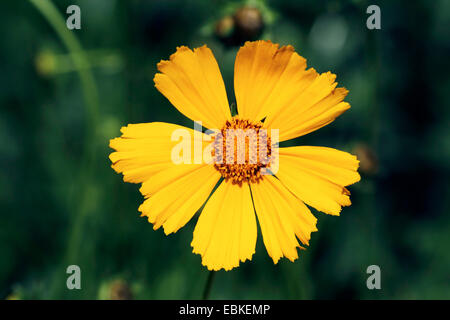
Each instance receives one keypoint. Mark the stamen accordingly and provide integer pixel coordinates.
(241, 149)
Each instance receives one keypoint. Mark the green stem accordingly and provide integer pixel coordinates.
(51, 13)
(90, 94)
(208, 285)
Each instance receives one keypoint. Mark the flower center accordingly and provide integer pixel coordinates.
(240, 150)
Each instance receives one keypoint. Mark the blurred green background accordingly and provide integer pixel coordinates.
(62, 204)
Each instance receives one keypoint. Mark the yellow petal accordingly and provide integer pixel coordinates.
(174, 201)
(192, 82)
(282, 218)
(318, 176)
(261, 71)
(144, 149)
(314, 105)
(166, 177)
(305, 120)
(273, 83)
(226, 229)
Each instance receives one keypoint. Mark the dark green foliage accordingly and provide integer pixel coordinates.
(62, 205)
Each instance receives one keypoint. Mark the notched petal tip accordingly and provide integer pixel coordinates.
(111, 142)
(343, 91)
(275, 260)
(216, 267)
(283, 50)
(180, 49)
(157, 78)
(332, 76)
(249, 257)
(254, 44)
(203, 47)
(114, 157)
(357, 178)
(163, 63)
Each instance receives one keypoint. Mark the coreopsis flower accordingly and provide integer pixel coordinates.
(275, 93)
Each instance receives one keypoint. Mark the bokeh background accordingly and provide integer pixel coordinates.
(64, 94)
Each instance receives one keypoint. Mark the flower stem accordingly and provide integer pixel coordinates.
(90, 93)
(208, 285)
(54, 18)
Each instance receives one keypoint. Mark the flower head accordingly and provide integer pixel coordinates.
(277, 99)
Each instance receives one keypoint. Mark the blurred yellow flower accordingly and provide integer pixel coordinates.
(274, 90)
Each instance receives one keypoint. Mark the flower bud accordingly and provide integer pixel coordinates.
(224, 27)
(248, 23)
(120, 290)
(368, 161)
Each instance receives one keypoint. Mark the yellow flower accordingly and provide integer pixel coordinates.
(274, 90)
